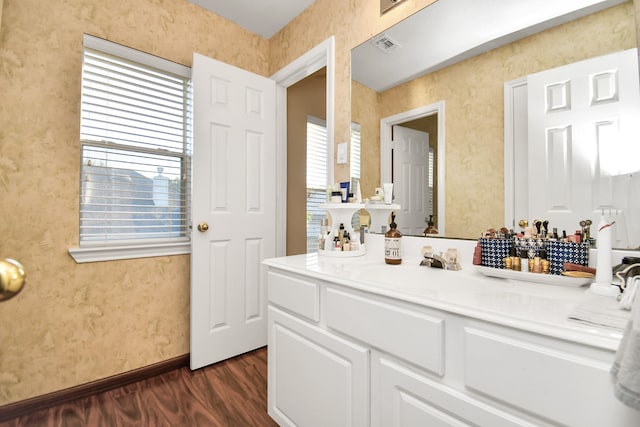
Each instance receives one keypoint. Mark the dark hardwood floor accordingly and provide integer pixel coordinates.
(228, 394)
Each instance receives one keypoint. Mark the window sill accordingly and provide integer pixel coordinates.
(97, 254)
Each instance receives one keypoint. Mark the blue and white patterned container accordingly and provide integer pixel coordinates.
(561, 252)
(494, 251)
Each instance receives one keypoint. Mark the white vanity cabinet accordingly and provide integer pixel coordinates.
(342, 355)
(406, 397)
(316, 378)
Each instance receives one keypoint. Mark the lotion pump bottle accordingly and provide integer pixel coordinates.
(393, 243)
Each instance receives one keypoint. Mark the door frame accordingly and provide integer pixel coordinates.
(515, 157)
(322, 55)
(386, 144)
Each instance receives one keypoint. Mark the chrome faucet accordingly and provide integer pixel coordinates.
(439, 261)
(629, 280)
(627, 273)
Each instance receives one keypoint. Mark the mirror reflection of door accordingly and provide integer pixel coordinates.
(578, 133)
(412, 178)
(414, 174)
(571, 126)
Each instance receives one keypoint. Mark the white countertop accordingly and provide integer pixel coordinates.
(533, 307)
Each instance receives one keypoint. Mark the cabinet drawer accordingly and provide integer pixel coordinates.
(406, 333)
(561, 386)
(296, 295)
(407, 398)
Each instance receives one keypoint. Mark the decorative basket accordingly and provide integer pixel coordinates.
(494, 251)
(530, 246)
(561, 252)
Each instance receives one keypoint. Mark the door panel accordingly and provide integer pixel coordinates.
(411, 191)
(234, 193)
(316, 379)
(581, 120)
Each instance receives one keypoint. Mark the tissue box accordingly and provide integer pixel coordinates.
(561, 252)
(494, 251)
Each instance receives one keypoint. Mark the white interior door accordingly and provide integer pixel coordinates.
(411, 179)
(582, 121)
(234, 173)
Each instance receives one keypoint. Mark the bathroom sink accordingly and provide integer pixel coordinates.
(406, 276)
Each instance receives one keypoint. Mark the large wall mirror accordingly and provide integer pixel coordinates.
(460, 54)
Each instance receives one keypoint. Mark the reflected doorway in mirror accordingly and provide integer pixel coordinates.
(413, 218)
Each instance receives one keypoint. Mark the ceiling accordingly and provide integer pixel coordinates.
(449, 31)
(262, 17)
(431, 32)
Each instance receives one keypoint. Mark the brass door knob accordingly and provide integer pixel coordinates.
(202, 227)
(12, 278)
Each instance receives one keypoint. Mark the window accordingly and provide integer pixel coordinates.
(316, 178)
(354, 166)
(317, 175)
(354, 155)
(135, 134)
(430, 179)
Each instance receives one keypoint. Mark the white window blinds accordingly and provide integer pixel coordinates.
(354, 157)
(430, 179)
(316, 179)
(136, 144)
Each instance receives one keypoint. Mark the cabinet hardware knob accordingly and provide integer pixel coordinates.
(12, 278)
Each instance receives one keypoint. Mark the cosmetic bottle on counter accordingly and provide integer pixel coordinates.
(546, 264)
(509, 261)
(524, 261)
(393, 243)
(346, 242)
(536, 267)
(515, 263)
(477, 254)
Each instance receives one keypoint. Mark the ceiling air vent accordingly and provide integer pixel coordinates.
(385, 43)
(386, 5)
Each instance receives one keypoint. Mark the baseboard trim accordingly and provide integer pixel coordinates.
(23, 407)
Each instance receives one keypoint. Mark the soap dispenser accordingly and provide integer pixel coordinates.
(392, 243)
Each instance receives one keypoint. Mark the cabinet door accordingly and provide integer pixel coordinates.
(403, 397)
(315, 378)
(568, 387)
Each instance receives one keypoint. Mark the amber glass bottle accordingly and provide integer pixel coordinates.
(393, 243)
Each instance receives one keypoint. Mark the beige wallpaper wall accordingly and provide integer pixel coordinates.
(364, 110)
(351, 22)
(76, 323)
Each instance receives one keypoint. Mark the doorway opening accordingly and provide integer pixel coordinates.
(307, 160)
(428, 119)
(321, 56)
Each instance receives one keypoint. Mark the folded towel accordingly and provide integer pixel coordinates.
(594, 309)
(626, 367)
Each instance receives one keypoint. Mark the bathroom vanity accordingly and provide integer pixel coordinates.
(356, 342)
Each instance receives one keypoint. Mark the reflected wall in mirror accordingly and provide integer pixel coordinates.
(473, 90)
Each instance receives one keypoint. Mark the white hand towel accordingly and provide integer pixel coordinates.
(626, 367)
(600, 310)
